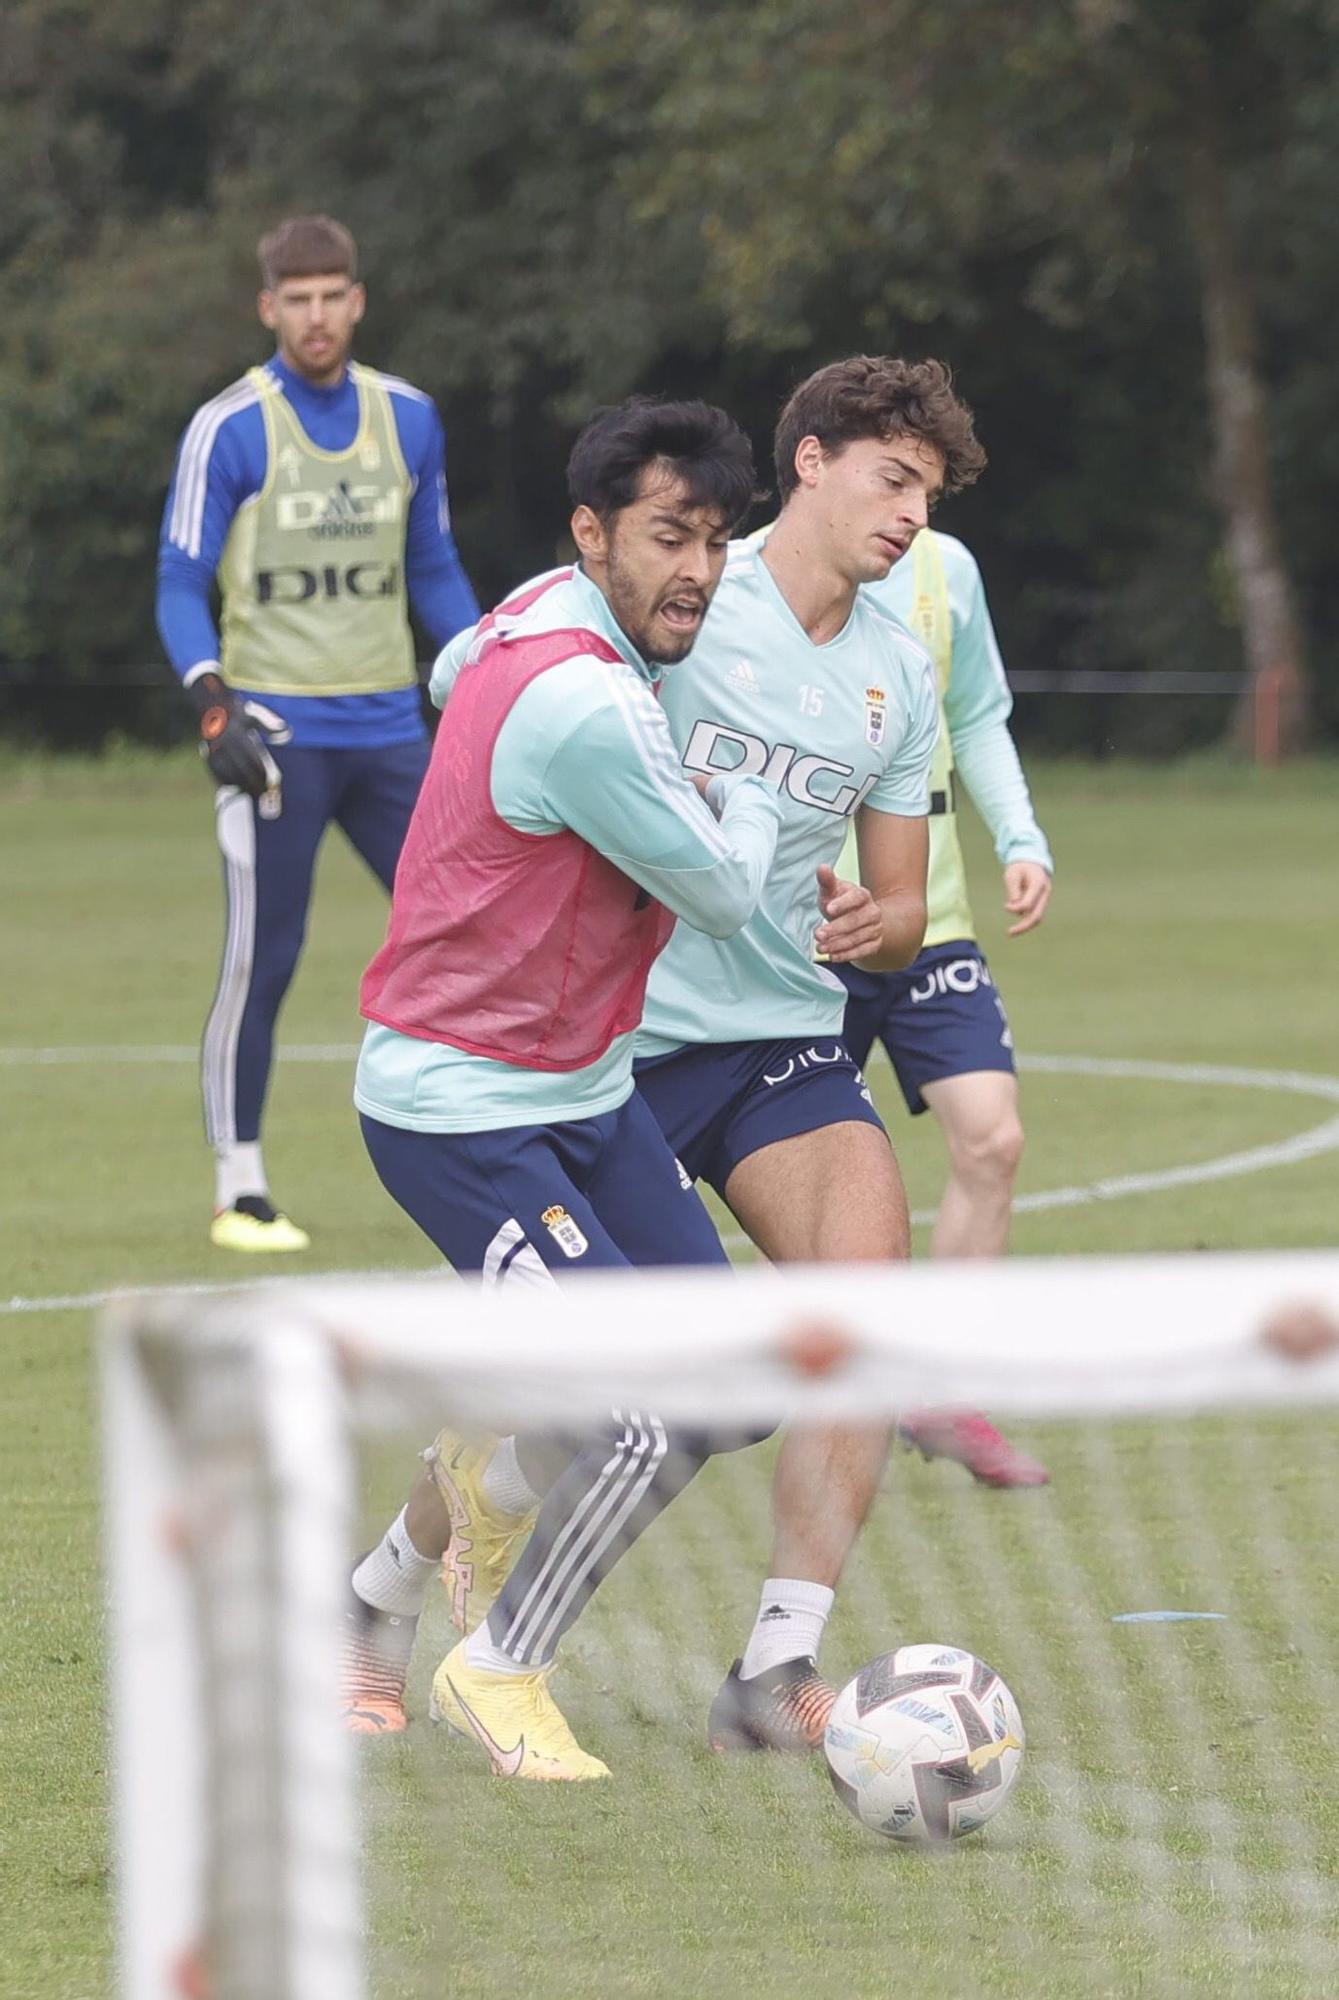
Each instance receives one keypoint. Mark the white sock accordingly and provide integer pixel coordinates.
(239, 1169)
(505, 1484)
(393, 1577)
(789, 1625)
(481, 1652)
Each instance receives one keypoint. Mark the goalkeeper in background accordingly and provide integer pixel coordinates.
(314, 491)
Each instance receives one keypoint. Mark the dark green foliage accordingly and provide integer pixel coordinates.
(561, 200)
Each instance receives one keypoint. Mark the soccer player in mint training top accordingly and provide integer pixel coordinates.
(554, 843)
(313, 491)
(941, 1019)
(799, 678)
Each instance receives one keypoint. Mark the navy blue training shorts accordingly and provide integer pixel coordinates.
(532, 1201)
(717, 1102)
(941, 1016)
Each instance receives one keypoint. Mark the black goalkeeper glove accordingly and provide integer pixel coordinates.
(235, 739)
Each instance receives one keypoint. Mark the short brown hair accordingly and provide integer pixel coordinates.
(306, 246)
(875, 396)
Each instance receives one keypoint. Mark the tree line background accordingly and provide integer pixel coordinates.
(1115, 218)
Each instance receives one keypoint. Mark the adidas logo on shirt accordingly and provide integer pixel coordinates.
(742, 676)
(346, 511)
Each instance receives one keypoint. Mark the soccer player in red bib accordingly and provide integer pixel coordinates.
(555, 841)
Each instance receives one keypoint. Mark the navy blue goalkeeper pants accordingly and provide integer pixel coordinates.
(268, 866)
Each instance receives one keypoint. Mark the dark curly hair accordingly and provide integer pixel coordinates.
(700, 444)
(875, 396)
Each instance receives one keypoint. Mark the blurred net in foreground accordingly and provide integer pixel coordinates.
(1177, 1824)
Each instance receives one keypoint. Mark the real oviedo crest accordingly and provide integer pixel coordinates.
(565, 1231)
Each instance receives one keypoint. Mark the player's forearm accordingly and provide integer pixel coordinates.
(988, 763)
(440, 591)
(721, 899)
(904, 919)
(712, 877)
(182, 610)
(615, 780)
(447, 666)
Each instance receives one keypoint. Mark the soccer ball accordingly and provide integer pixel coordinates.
(924, 1744)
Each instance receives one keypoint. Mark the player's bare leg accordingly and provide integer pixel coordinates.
(830, 1196)
(427, 1518)
(825, 1197)
(978, 1115)
(386, 1596)
(463, 1521)
(504, 1478)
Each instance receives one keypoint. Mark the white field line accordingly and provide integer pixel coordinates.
(164, 1052)
(1308, 1145)
(79, 1301)
(1323, 1138)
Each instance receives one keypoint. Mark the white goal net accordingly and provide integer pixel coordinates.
(1166, 1612)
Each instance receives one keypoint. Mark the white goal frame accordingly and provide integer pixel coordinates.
(231, 1425)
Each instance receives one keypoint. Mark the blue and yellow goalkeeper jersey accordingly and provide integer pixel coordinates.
(323, 513)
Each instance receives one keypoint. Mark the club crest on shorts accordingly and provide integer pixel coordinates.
(564, 1231)
(876, 716)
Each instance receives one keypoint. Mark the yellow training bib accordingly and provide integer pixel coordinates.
(312, 574)
(932, 622)
(931, 619)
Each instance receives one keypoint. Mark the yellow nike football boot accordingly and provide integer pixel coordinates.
(485, 1541)
(513, 1718)
(254, 1224)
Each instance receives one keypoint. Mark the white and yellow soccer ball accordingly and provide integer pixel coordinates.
(924, 1744)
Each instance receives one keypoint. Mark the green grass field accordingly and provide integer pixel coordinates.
(1177, 1826)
